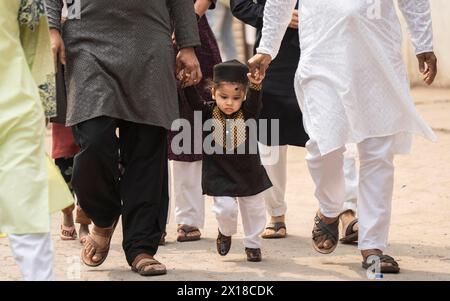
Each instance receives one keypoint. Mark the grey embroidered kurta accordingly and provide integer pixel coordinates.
(120, 60)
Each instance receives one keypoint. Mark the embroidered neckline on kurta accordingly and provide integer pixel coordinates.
(229, 131)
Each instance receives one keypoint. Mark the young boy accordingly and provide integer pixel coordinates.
(232, 173)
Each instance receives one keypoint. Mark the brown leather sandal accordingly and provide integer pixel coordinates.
(350, 236)
(373, 259)
(68, 233)
(330, 231)
(276, 227)
(142, 262)
(184, 230)
(99, 251)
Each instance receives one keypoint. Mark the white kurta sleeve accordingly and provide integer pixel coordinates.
(277, 15)
(418, 17)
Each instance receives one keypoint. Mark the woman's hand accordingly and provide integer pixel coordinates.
(57, 43)
(294, 20)
(428, 66)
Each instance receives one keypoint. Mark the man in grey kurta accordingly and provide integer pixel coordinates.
(120, 73)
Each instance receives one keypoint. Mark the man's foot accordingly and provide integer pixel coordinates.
(96, 246)
(223, 244)
(374, 259)
(68, 231)
(325, 233)
(253, 255)
(276, 228)
(147, 265)
(84, 232)
(188, 233)
(350, 227)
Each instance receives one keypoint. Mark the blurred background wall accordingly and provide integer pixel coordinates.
(440, 10)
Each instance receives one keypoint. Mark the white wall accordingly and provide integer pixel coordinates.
(440, 10)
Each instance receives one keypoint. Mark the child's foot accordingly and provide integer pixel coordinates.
(68, 231)
(223, 244)
(253, 255)
(84, 232)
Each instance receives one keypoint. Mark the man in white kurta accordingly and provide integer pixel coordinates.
(352, 87)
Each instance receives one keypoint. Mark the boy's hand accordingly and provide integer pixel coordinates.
(428, 66)
(255, 79)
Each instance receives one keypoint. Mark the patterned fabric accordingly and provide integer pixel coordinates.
(120, 60)
(30, 185)
(208, 55)
(235, 173)
(357, 89)
(226, 129)
(35, 40)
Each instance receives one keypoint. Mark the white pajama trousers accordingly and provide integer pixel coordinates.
(33, 254)
(274, 159)
(253, 214)
(188, 194)
(375, 189)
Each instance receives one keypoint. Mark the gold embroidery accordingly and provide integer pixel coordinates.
(256, 87)
(235, 129)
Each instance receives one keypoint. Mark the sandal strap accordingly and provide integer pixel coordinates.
(387, 259)
(91, 240)
(349, 229)
(276, 226)
(187, 229)
(383, 259)
(331, 231)
(144, 260)
(68, 231)
(147, 262)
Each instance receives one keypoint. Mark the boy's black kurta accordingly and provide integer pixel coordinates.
(233, 175)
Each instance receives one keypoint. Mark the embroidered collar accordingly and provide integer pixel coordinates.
(229, 130)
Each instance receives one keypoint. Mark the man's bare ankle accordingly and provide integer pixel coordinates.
(368, 252)
(327, 220)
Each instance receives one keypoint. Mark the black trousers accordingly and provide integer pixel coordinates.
(287, 111)
(138, 191)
